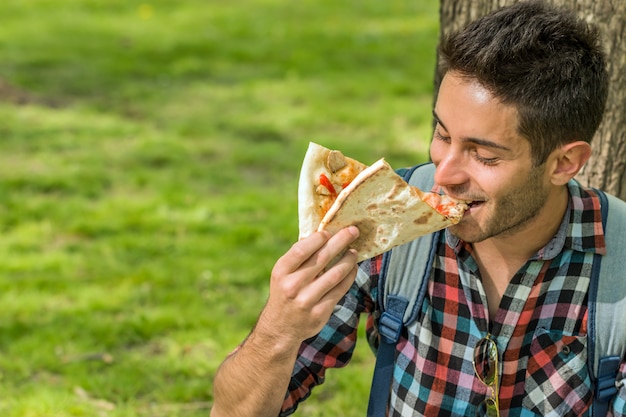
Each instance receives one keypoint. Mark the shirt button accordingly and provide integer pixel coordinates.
(566, 350)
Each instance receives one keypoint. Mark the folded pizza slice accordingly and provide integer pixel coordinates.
(387, 210)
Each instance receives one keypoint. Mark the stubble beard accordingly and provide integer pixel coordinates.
(507, 214)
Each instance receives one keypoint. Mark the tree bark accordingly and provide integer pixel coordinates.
(607, 167)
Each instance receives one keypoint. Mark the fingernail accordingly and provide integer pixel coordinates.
(354, 231)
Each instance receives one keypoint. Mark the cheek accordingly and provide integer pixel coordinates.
(494, 184)
(512, 187)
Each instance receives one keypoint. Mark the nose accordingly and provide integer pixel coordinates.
(450, 169)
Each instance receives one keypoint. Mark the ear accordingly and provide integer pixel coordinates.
(568, 160)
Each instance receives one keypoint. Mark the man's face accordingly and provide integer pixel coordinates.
(480, 157)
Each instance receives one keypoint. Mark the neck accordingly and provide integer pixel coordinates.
(500, 257)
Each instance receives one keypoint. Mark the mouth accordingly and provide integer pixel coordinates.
(468, 205)
(473, 205)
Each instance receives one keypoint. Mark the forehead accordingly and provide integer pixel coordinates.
(466, 109)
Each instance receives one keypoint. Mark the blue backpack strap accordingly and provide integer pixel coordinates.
(390, 326)
(607, 295)
(400, 299)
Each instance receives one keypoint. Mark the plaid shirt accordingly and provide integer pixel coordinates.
(540, 329)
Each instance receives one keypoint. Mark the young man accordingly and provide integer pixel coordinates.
(523, 93)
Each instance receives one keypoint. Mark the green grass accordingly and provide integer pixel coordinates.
(149, 155)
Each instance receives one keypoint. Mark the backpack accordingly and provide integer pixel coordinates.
(400, 296)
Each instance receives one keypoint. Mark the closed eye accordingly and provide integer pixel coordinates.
(439, 136)
(446, 139)
(485, 161)
(439, 127)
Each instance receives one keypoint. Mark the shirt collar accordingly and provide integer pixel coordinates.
(580, 230)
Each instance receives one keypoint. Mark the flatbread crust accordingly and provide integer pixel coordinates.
(387, 210)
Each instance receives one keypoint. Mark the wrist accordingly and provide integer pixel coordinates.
(273, 341)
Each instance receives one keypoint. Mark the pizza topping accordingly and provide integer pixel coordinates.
(444, 205)
(340, 173)
(345, 175)
(327, 187)
(432, 199)
(451, 209)
(335, 161)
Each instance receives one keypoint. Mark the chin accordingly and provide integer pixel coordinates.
(468, 231)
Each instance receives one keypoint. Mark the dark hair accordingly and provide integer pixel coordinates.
(544, 61)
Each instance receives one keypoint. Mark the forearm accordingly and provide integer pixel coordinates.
(253, 381)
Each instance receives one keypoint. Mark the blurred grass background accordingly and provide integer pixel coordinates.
(149, 154)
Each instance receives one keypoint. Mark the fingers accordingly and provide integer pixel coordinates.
(305, 272)
(331, 253)
(304, 302)
(304, 289)
(302, 251)
(313, 254)
(336, 281)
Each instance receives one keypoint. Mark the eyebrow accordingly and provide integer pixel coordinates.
(482, 142)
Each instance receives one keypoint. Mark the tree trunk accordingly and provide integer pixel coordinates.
(607, 167)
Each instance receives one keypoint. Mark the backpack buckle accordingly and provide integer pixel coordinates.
(607, 372)
(390, 327)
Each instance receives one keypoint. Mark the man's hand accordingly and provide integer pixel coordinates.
(307, 282)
